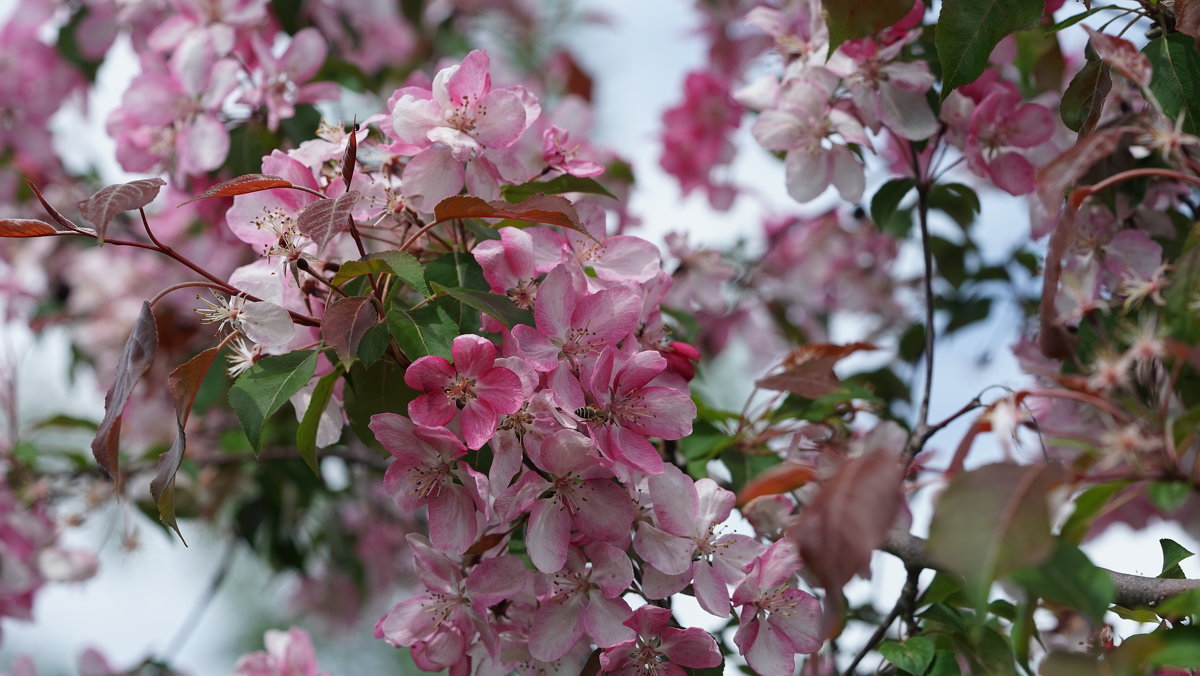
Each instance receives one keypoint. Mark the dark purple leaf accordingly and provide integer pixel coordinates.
(54, 213)
(138, 354)
(323, 219)
(183, 383)
(345, 323)
(109, 201)
(808, 371)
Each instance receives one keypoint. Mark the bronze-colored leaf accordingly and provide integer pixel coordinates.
(136, 358)
(350, 156)
(243, 185)
(548, 209)
(183, 384)
(808, 371)
(345, 323)
(25, 227)
(1187, 18)
(111, 200)
(54, 213)
(846, 521)
(785, 477)
(323, 219)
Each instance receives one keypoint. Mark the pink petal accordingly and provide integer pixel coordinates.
(604, 619)
(430, 177)
(547, 536)
(557, 627)
(305, 55)
(675, 502)
(452, 523)
(807, 173)
(432, 410)
(430, 373)
(479, 424)
(503, 122)
(1012, 173)
(471, 80)
(668, 553)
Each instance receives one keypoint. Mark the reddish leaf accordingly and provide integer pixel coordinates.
(345, 323)
(1121, 55)
(25, 227)
(782, 478)
(183, 383)
(1055, 341)
(323, 219)
(54, 213)
(808, 371)
(350, 156)
(549, 209)
(243, 185)
(112, 200)
(1187, 18)
(851, 516)
(1065, 170)
(139, 352)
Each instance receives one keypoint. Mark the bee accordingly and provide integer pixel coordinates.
(592, 413)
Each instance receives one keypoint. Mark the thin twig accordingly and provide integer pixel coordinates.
(188, 627)
(920, 431)
(904, 606)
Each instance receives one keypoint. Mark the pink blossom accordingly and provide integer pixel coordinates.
(573, 325)
(424, 472)
(579, 496)
(623, 408)
(583, 597)
(454, 122)
(777, 621)
(682, 544)
(288, 653)
(696, 135)
(452, 612)
(660, 648)
(474, 384)
(169, 115)
(888, 92)
(803, 123)
(281, 82)
(998, 128)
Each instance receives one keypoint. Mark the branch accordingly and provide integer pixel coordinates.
(1132, 591)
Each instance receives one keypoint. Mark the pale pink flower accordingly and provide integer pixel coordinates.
(425, 472)
(999, 129)
(287, 653)
(572, 325)
(579, 496)
(282, 82)
(888, 92)
(660, 648)
(777, 621)
(622, 408)
(474, 384)
(583, 597)
(682, 544)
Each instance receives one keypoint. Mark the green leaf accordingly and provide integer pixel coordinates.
(951, 260)
(992, 521)
(945, 664)
(555, 186)
(1088, 506)
(1084, 99)
(1069, 577)
(380, 389)
(492, 304)
(1173, 553)
(1176, 78)
(968, 31)
(885, 202)
(424, 331)
(959, 202)
(914, 655)
(306, 435)
(1135, 614)
(1168, 495)
(265, 387)
(853, 20)
(374, 344)
(398, 263)
(1076, 18)
(1185, 604)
